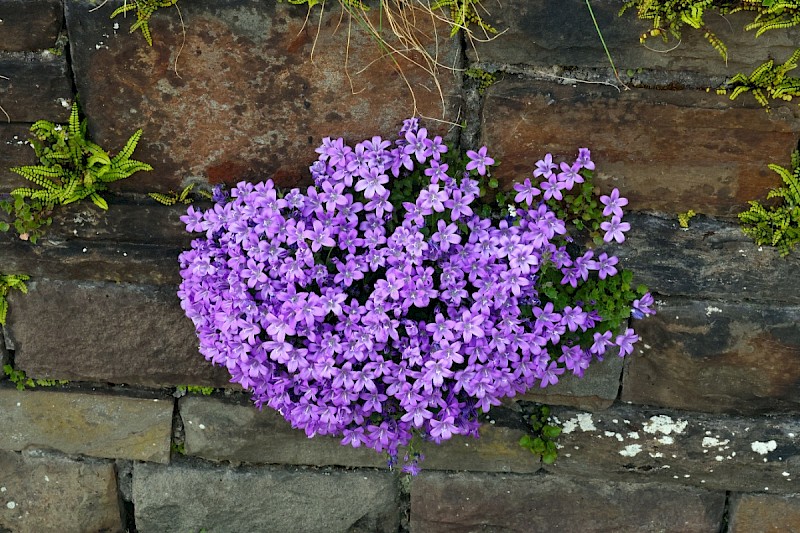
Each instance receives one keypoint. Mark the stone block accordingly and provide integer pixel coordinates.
(224, 431)
(87, 424)
(544, 33)
(596, 390)
(29, 24)
(710, 260)
(717, 356)
(240, 95)
(762, 512)
(38, 87)
(185, 497)
(667, 151)
(40, 492)
(724, 453)
(449, 502)
(118, 333)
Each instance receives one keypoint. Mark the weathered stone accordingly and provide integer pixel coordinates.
(38, 87)
(14, 151)
(115, 333)
(224, 431)
(39, 492)
(29, 24)
(478, 502)
(181, 497)
(596, 390)
(666, 150)
(710, 260)
(712, 452)
(91, 260)
(240, 96)
(717, 356)
(544, 33)
(761, 512)
(87, 424)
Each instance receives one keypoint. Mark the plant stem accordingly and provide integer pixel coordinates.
(603, 42)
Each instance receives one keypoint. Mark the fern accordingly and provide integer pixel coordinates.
(777, 226)
(183, 197)
(8, 282)
(71, 169)
(766, 81)
(463, 13)
(144, 10)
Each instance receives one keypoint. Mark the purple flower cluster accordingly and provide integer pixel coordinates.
(376, 321)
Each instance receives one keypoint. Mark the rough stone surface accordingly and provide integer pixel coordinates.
(536, 34)
(717, 356)
(181, 497)
(709, 260)
(222, 431)
(479, 502)
(29, 24)
(86, 424)
(760, 512)
(596, 390)
(38, 87)
(658, 445)
(134, 334)
(39, 493)
(248, 100)
(666, 150)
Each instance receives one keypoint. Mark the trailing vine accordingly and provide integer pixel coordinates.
(777, 225)
(71, 168)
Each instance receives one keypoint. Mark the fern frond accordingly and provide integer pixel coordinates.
(130, 146)
(99, 201)
(166, 199)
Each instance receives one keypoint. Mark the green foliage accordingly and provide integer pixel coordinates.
(766, 81)
(144, 10)
(684, 218)
(8, 282)
(542, 439)
(463, 13)
(22, 381)
(772, 14)
(484, 79)
(778, 225)
(71, 168)
(195, 389)
(182, 197)
(178, 448)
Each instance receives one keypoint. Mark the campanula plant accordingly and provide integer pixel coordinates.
(391, 301)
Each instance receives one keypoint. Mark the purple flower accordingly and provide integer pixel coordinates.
(525, 192)
(585, 159)
(626, 341)
(613, 204)
(605, 266)
(552, 188)
(544, 167)
(569, 175)
(614, 229)
(479, 160)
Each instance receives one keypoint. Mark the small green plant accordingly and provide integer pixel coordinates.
(8, 282)
(484, 79)
(178, 448)
(684, 218)
(778, 225)
(71, 168)
(463, 13)
(22, 381)
(144, 10)
(542, 439)
(195, 389)
(182, 197)
(766, 81)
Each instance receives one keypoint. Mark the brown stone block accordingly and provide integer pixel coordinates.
(118, 333)
(29, 24)
(479, 502)
(38, 87)
(761, 512)
(718, 357)
(545, 33)
(657, 445)
(39, 493)
(241, 96)
(667, 151)
(87, 424)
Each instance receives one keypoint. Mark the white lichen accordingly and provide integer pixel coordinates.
(763, 448)
(631, 450)
(665, 425)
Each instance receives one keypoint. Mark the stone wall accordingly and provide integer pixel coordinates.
(699, 430)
